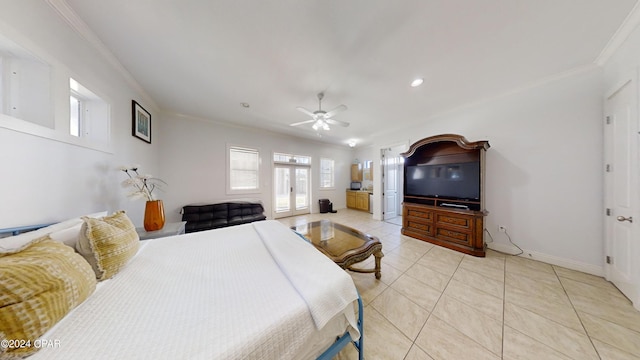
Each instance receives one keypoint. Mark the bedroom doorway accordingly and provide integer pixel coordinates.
(291, 190)
(622, 198)
(392, 174)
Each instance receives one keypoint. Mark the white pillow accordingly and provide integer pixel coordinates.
(68, 236)
(59, 226)
(96, 215)
(16, 243)
(58, 231)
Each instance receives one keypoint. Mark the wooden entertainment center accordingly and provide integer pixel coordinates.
(430, 212)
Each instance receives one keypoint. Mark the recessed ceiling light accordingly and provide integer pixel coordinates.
(244, 104)
(417, 82)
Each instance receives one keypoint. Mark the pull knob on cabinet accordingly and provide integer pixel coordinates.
(622, 218)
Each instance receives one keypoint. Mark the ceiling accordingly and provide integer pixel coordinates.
(204, 58)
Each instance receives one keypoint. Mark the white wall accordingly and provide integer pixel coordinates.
(44, 180)
(544, 167)
(194, 163)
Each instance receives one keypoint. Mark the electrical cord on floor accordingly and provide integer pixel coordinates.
(512, 243)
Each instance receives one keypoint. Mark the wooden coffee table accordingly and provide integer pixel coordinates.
(344, 245)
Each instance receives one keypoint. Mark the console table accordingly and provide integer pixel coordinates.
(169, 229)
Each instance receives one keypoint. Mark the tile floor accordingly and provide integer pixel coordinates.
(434, 303)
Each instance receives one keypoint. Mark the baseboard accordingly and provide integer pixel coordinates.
(549, 259)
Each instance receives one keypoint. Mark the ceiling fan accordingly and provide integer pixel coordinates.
(322, 119)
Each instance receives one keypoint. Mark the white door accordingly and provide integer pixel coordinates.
(621, 192)
(291, 190)
(390, 161)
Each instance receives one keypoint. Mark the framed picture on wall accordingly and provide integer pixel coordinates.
(141, 126)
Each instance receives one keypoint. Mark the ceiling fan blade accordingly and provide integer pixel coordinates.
(301, 109)
(335, 111)
(337, 122)
(302, 122)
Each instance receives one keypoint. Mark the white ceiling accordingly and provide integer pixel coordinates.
(204, 57)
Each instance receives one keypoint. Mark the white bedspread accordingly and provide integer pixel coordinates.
(216, 294)
(309, 273)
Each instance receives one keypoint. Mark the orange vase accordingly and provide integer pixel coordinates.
(153, 215)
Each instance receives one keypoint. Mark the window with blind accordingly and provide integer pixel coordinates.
(243, 169)
(326, 173)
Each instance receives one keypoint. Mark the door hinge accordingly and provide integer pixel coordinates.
(608, 168)
(608, 120)
(608, 212)
(609, 259)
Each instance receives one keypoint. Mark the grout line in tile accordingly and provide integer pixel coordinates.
(436, 304)
(577, 314)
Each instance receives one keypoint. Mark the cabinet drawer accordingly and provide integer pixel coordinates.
(458, 221)
(426, 229)
(454, 236)
(419, 213)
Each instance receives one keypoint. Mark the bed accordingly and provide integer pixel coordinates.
(252, 291)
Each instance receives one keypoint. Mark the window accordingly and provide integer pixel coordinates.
(25, 85)
(29, 87)
(88, 114)
(288, 158)
(326, 173)
(243, 169)
(75, 107)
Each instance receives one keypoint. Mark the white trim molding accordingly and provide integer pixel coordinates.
(549, 259)
(76, 23)
(628, 25)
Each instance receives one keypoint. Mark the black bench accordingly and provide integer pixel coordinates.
(213, 216)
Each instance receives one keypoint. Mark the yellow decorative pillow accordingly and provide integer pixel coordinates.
(108, 243)
(39, 286)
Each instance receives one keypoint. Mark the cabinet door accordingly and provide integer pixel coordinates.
(351, 199)
(362, 201)
(359, 203)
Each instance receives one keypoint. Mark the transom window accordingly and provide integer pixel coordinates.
(289, 158)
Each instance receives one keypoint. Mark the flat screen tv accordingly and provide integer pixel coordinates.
(453, 181)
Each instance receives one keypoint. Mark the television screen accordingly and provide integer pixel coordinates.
(455, 181)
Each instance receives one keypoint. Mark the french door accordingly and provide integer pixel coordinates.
(622, 159)
(291, 190)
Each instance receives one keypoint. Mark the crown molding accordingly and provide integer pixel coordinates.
(626, 28)
(78, 25)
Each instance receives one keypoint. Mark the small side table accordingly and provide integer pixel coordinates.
(169, 229)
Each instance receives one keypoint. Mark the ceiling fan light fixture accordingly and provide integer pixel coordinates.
(322, 119)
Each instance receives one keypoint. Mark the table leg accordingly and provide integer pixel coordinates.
(378, 255)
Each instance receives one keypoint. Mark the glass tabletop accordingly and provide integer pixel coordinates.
(335, 240)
